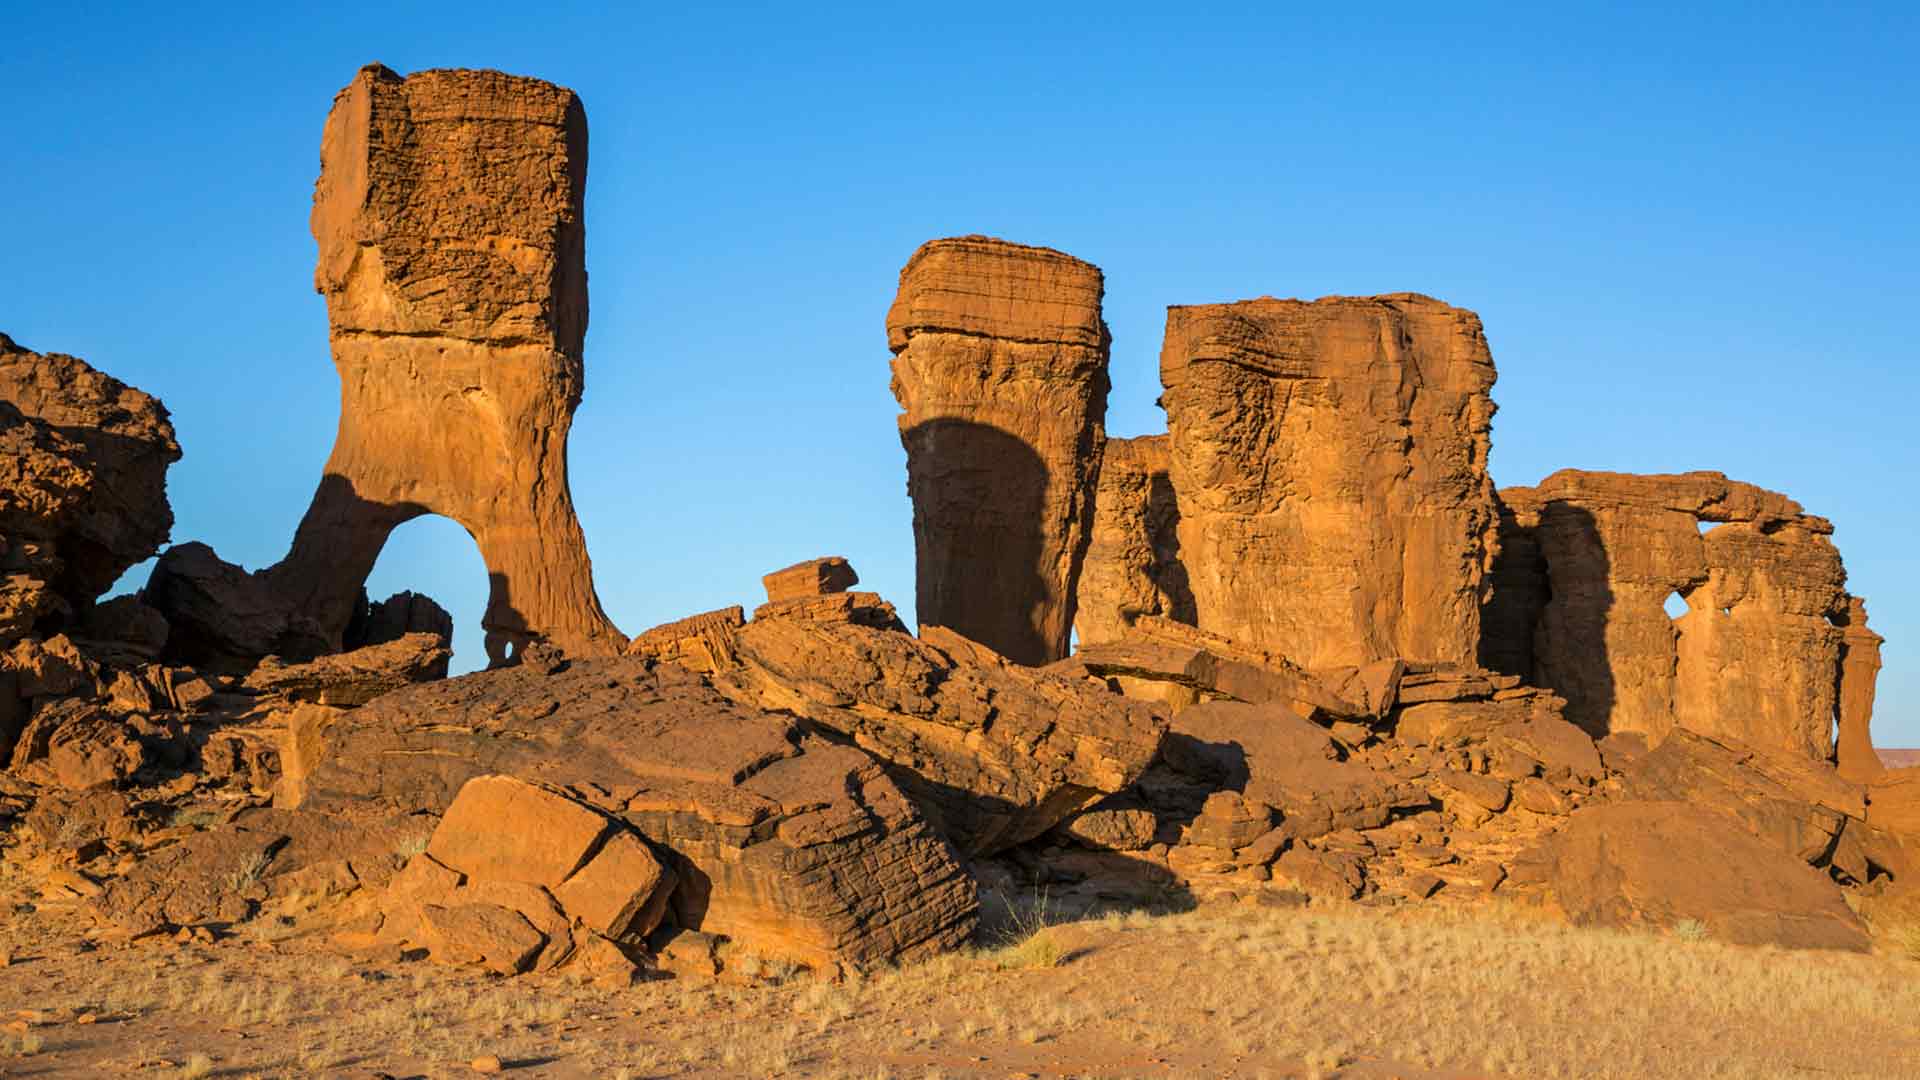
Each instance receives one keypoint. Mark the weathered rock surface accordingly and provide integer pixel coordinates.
(1000, 369)
(1331, 464)
(995, 753)
(1132, 567)
(356, 677)
(83, 490)
(1654, 864)
(813, 577)
(1755, 657)
(1792, 803)
(448, 215)
(1859, 672)
(697, 642)
(790, 845)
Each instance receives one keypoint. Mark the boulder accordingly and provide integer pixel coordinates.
(1270, 755)
(1754, 658)
(1000, 369)
(1157, 650)
(789, 844)
(452, 258)
(1331, 464)
(1132, 566)
(95, 479)
(218, 615)
(357, 677)
(994, 753)
(76, 745)
(1654, 864)
(395, 617)
(1788, 802)
(509, 830)
(813, 577)
(698, 642)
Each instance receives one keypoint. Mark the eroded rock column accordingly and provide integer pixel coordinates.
(1859, 671)
(452, 257)
(1133, 564)
(1000, 369)
(1331, 461)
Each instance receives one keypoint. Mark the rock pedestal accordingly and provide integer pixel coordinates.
(1331, 463)
(1000, 369)
(452, 257)
(1859, 671)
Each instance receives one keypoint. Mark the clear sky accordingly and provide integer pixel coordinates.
(1691, 235)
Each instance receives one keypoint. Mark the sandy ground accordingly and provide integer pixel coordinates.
(1233, 990)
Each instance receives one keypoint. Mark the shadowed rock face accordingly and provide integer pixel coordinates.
(1331, 461)
(1000, 369)
(84, 495)
(1755, 657)
(1133, 564)
(452, 257)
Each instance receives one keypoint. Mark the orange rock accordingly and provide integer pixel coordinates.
(1331, 464)
(1000, 369)
(814, 577)
(506, 829)
(1654, 864)
(448, 217)
(1133, 563)
(1859, 670)
(1755, 657)
(622, 890)
(697, 642)
(488, 935)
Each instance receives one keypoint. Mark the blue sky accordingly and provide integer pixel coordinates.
(1692, 238)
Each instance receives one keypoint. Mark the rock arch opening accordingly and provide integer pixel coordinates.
(437, 557)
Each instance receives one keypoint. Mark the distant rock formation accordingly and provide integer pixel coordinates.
(1331, 464)
(83, 490)
(448, 214)
(1756, 656)
(1859, 671)
(1000, 369)
(1133, 563)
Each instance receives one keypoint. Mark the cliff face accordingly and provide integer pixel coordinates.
(452, 258)
(1331, 464)
(1757, 654)
(1000, 369)
(1133, 565)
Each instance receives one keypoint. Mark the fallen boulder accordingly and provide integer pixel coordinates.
(1655, 864)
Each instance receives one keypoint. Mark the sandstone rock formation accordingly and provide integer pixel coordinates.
(1859, 671)
(448, 214)
(1133, 563)
(1000, 369)
(1755, 658)
(813, 577)
(787, 843)
(994, 753)
(83, 492)
(1331, 464)
(1654, 864)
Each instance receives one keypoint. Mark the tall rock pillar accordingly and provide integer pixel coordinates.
(1000, 369)
(1859, 670)
(1331, 463)
(452, 257)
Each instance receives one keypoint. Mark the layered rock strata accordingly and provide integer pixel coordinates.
(1000, 369)
(452, 257)
(788, 844)
(1133, 563)
(1755, 657)
(1331, 464)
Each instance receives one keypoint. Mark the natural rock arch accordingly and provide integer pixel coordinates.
(452, 256)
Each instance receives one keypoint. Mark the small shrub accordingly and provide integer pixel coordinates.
(1691, 930)
(197, 1066)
